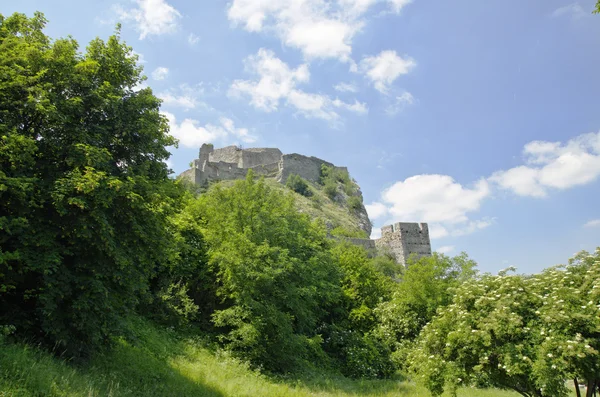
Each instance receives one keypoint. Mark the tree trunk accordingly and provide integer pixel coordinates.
(577, 387)
(591, 388)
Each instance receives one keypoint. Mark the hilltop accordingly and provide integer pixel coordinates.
(323, 189)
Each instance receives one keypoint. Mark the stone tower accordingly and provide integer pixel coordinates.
(404, 239)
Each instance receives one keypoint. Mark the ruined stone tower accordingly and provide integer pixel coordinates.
(401, 240)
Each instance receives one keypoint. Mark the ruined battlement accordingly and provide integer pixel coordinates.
(233, 162)
(403, 239)
(399, 240)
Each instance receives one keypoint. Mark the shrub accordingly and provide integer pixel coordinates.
(354, 203)
(299, 185)
(341, 231)
(330, 190)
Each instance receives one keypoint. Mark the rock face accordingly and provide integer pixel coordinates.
(400, 240)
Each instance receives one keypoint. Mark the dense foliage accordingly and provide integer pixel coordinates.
(275, 278)
(427, 284)
(299, 185)
(525, 333)
(84, 193)
(332, 178)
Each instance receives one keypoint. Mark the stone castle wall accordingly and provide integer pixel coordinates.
(308, 168)
(243, 158)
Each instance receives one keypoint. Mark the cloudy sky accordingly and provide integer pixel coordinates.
(479, 117)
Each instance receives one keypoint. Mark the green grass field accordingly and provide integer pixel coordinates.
(160, 363)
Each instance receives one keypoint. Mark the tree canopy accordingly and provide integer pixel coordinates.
(525, 333)
(84, 190)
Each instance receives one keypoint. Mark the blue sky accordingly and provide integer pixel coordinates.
(479, 117)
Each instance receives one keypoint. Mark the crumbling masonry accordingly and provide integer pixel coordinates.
(399, 240)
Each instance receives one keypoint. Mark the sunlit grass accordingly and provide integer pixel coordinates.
(157, 362)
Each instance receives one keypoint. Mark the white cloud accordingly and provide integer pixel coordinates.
(191, 134)
(553, 165)
(575, 10)
(356, 107)
(436, 199)
(401, 102)
(472, 227)
(152, 17)
(385, 68)
(181, 101)
(398, 5)
(241, 133)
(376, 210)
(446, 249)
(346, 87)
(193, 39)
(375, 233)
(311, 105)
(160, 73)
(437, 231)
(276, 82)
(318, 28)
(592, 223)
(185, 96)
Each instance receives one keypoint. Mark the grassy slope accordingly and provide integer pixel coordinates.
(317, 206)
(161, 363)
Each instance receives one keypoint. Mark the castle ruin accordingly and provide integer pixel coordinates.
(400, 240)
(232, 162)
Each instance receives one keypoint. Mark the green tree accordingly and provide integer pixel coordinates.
(525, 333)
(276, 281)
(183, 290)
(427, 284)
(569, 319)
(84, 190)
(349, 337)
(299, 185)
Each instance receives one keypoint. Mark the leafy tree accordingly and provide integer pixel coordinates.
(84, 190)
(364, 288)
(276, 281)
(350, 337)
(570, 322)
(427, 284)
(388, 266)
(183, 289)
(525, 333)
(299, 185)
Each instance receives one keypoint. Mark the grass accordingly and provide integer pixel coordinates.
(317, 206)
(158, 362)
